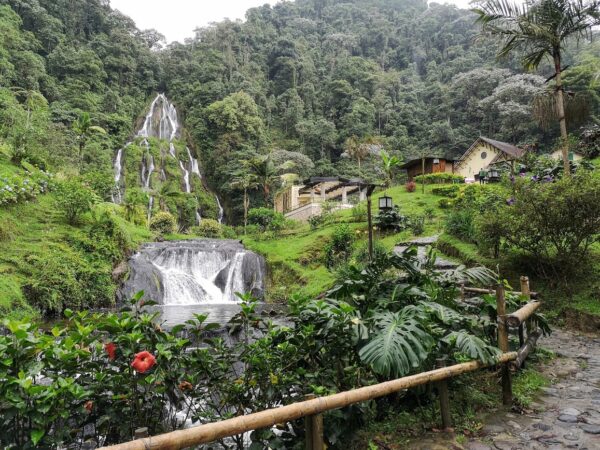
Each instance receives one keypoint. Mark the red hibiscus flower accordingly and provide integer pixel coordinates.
(111, 349)
(89, 405)
(143, 362)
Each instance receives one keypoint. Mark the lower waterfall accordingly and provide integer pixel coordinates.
(195, 272)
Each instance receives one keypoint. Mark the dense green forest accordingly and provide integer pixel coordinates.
(308, 77)
(312, 87)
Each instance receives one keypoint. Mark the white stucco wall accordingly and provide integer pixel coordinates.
(474, 162)
(558, 155)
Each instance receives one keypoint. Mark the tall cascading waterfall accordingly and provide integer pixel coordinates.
(195, 272)
(161, 122)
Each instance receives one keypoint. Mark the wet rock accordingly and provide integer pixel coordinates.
(477, 446)
(591, 429)
(570, 412)
(542, 426)
(493, 429)
(567, 418)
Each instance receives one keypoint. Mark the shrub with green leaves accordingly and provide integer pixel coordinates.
(391, 220)
(163, 222)
(339, 248)
(439, 178)
(446, 191)
(460, 223)
(266, 218)
(417, 224)
(74, 199)
(208, 228)
(17, 188)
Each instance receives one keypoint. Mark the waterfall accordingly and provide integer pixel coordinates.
(193, 163)
(186, 177)
(116, 195)
(150, 206)
(150, 170)
(195, 272)
(172, 150)
(221, 212)
(161, 121)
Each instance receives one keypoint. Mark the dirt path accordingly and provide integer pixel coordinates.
(565, 416)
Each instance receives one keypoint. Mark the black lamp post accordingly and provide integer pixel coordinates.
(385, 203)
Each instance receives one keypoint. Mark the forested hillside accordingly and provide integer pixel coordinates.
(319, 77)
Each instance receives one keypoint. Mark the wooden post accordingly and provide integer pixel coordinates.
(503, 344)
(370, 223)
(522, 339)
(140, 433)
(313, 426)
(526, 292)
(444, 397)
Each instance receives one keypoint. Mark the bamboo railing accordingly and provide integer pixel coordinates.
(312, 408)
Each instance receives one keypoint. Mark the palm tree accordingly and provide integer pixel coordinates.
(265, 172)
(541, 29)
(245, 181)
(84, 129)
(356, 149)
(166, 192)
(389, 164)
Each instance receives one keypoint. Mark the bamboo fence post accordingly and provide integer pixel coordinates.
(522, 338)
(526, 292)
(313, 429)
(503, 344)
(140, 433)
(444, 397)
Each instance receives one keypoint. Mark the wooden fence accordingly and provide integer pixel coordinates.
(312, 408)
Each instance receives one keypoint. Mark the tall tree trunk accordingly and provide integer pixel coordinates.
(560, 109)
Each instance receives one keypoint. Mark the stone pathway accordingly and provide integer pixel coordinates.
(441, 263)
(565, 416)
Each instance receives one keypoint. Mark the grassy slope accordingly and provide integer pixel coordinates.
(34, 228)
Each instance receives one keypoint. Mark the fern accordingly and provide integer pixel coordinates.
(399, 344)
(472, 346)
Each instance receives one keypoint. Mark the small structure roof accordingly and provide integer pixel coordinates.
(418, 160)
(509, 149)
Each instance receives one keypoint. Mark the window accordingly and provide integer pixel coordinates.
(483, 155)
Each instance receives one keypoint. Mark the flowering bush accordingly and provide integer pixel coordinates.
(16, 188)
(411, 186)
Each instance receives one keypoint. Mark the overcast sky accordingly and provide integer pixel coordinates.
(177, 19)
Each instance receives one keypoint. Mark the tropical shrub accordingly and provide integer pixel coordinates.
(440, 178)
(316, 221)
(417, 224)
(446, 191)
(16, 188)
(74, 199)
(163, 222)
(391, 220)
(339, 248)
(555, 223)
(445, 203)
(266, 218)
(208, 228)
(410, 186)
(359, 212)
(460, 223)
(112, 373)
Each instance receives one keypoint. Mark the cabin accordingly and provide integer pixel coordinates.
(301, 202)
(573, 156)
(433, 164)
(483, 154)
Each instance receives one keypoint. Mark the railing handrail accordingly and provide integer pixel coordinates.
(211, 432)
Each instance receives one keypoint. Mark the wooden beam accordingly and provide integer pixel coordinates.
(503, 344)
(524, 351)
(521, 315)
(211, 432)
(474, 290)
